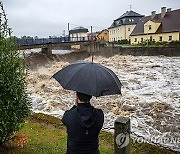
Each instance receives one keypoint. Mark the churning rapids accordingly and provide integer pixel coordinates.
(150, 92)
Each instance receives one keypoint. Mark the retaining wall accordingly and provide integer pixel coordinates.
(140, 51)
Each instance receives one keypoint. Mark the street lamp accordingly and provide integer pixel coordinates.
(147, 32)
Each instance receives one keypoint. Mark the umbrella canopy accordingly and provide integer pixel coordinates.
(89, 78)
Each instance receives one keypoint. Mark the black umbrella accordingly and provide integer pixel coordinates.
(89, 78)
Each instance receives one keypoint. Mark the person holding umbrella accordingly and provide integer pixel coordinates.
(83, 121)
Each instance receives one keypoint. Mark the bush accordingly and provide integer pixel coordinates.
(144, 43)
(174, 43)
(163, 43)
(14, 103)
(124, 41)
(152, 43)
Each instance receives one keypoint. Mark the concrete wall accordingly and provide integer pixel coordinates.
(140, 51)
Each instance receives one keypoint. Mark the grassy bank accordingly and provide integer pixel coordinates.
(43, 134)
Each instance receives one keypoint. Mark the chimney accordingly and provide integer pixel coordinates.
(163, 12)
(153, 14)
(169, 10)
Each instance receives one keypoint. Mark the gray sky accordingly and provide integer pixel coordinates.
(50, 17)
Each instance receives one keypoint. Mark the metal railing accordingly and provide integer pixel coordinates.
(38, 41)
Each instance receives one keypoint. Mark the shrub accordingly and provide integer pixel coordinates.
(14, 102)
(144, 43)
(163, 43)
(124, 41)
(152, 43)
(174, 43)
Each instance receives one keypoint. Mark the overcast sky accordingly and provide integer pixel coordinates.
(45, 18)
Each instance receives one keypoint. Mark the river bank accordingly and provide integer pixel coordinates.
(150, 92)
(45, 134)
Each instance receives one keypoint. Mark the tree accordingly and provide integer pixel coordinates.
(14, 102)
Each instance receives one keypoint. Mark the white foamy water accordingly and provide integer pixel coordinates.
(61, 52)
(150, 94)
(30, 52)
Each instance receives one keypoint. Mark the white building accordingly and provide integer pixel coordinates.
(78, 34)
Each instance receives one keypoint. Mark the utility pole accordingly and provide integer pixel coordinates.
(91, 32)
(147, 34)
(68, 31)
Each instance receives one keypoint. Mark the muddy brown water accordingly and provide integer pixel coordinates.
(150, 92)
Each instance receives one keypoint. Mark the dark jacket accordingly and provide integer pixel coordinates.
(83, 123)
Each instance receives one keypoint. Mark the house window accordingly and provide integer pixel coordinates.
(149, 27)
(160, 38)
(170, 38)
(129, 29)
(141, 39)
(135, 39)
(131, 20)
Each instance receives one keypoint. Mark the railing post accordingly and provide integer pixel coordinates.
(122, 135)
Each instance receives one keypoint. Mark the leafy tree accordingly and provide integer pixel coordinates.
(14, 102)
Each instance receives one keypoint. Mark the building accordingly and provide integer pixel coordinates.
(164, 26)
(93, 35)
(123, 26)
(103, 35)
(78, 34)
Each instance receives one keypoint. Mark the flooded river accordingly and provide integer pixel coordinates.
(150, 92)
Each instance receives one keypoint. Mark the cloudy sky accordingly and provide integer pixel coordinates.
(45, 18)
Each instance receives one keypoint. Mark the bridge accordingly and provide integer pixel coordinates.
(60, 43)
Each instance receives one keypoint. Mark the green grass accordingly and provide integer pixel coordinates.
(47, 135)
